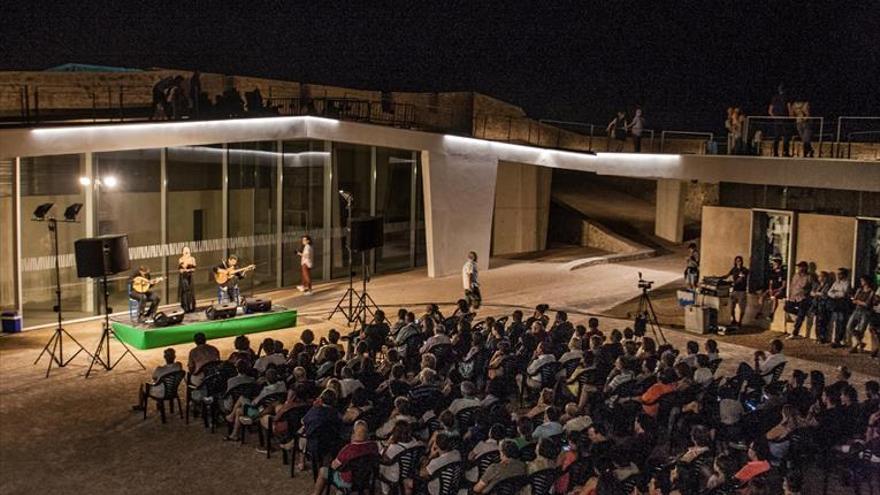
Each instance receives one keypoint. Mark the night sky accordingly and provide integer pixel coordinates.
(683, 62)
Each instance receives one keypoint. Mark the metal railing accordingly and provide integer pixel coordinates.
(592, 131)
(853, 118)
(709, 135)
(781, 121)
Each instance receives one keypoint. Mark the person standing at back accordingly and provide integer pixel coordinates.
(780, 107)
(617, 131)
(306, 262)
(470, 281)
(636, 127)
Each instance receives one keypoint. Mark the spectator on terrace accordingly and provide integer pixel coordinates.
(780, 106)
(863, 306)
(799, 301)
(200, 355)
(839, 304)
(820, 312)
(636, 126)
(800, 110)
(734, 124)
(360, 446)
(777, 283)
(616, 130)
(156, 389)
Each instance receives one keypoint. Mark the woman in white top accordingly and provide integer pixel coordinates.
(306, 262)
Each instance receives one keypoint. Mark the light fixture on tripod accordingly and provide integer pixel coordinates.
(55, 346)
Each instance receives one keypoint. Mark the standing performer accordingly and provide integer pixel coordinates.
(692, 270)
(470, 281)
(141, 290)
(186, 291)
(306, 263)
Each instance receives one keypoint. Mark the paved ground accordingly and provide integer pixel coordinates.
(66, 434)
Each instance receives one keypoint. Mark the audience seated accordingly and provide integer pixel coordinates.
(626, 412)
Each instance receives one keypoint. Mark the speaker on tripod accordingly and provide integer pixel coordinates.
(98, 257)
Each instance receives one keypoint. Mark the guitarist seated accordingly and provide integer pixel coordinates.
(227, 275)
(141, 291)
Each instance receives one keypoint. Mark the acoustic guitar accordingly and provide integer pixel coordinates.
(222, 275)
(142, 284)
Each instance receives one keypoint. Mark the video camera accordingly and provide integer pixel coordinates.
(645, 284)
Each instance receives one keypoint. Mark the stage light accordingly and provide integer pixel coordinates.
(346, 195)
(109, 181)
(85, 181)
(42, 210)
(72, 211)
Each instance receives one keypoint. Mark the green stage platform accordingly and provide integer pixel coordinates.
(148, 337)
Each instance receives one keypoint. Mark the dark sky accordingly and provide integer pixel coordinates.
(684, 62)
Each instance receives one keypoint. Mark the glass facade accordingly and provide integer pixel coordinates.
(253, 199)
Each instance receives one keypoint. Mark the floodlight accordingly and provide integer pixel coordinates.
(42, 210)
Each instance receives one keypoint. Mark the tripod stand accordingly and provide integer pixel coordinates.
(350, 293)
(646, 317)
(54, 348)
(104, 343)
(366, 304)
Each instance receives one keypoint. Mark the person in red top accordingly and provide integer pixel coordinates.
(758, 453)
(360, 446)
(651, 397)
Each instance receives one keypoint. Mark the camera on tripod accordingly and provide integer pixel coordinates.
(645, 284)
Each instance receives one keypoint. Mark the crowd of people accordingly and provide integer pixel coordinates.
(177, 97)
(820, 302)
(788, 117)
(443, 404)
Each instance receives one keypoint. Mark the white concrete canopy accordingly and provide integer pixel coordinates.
(460, 172)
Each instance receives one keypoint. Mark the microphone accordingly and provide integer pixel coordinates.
(346, 195)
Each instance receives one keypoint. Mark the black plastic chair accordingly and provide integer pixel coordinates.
(714, 364)
(465, 418)
(407, 466)
(528, 452)
(171, 384)
(485, 460)
(509, 486)
(247, 421)
(542, 481)
(569, 366)
(363, 471)
(450, 478)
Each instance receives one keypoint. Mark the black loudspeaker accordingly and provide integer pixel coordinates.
(257, 305)
(163, 319)
(99, 256)
(221, 311)
(367, 233)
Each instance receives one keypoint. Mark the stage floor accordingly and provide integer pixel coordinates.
(144, 336)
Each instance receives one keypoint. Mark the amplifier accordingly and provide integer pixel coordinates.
(221, 311)
(257, 305)
(715, 286)
(163, 319)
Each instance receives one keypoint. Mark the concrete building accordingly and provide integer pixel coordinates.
(253, 186)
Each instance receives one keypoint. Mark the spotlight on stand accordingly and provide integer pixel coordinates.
(346, 196)
(110, 181)
(42, 210)
(72, 211)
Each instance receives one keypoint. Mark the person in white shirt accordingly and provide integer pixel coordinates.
(438, 338)
(401, 440)
(470, 281)
(468, 399)
(442, 454)
(306, 262)
(533, 379)
(765, 364)
(838, 299)
(349, 383)
(273, 357)
(156, 389)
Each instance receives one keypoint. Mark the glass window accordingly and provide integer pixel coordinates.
(129, 202)
(421, 246)
(7, 235)
(303, 205)
(195, 212)
(351, 174)
(394, 200)
(252, 211)
(51, 179)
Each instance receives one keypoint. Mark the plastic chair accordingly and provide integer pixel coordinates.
(171, 383)
(132, 304)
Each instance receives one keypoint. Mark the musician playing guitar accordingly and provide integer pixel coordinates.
(141, 290)
(227, 274)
